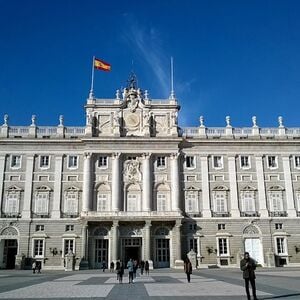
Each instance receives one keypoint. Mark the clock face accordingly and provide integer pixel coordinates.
(132, 120)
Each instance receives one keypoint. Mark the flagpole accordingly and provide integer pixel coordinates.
(91, 95)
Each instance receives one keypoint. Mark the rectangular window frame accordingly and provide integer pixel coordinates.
(282, 251)
(39, 227)
(46, 199)
(243, 201)
(272, 167)
(73, 161)
(41, 159)
(296, 161)
(8, 205)
(161, 162)
(272, 201)
(214, 160)
(100, 201)
(15, 166)
(103, 162)
(67, 240)
(190, 162)
(69, 227)
(42, 255)
(191, 203)
(224, 245)
(241, 162)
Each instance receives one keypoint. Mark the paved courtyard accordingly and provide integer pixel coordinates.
(168, 284)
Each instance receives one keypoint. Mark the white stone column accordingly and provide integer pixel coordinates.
(57, 187)
(87, 182)
(147, 240)
(234, 202)
(206, 211)
(261, 187)
(115, 241)
(290, 203)
(147, 184)
(26, 213)
(2, 170)
(115, 184)
(175, 183)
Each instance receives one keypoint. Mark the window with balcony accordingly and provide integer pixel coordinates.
(276, 201)
(72, 162)
(15, 162)
(41, 203)
(102, 202)
(132, 202)
(248, 201)
(191, 202)
(220, 202)
(161, 202)
(12, 203)
(218, 162)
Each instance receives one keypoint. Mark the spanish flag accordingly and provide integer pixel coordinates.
(101, 65)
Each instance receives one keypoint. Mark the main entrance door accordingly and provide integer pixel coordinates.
(9, 253)
(162, 253)
(254, 247)
(101, 252)
(131, 248)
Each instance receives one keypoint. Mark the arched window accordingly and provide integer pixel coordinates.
(162, 198)
(133, 201)
(103, 198)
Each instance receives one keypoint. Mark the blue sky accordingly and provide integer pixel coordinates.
(237, 58)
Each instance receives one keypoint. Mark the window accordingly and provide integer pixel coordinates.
(190, 162)
(161, 202)
(191, 202)
(38, 248)
(102, 202)
(44, 161)
(276, 201)
(161, 161)
(278, 226)
(71, 203)
(131, 157)
(39, 227)
(248, 201)
(12, 203)
(193, 227)
(69, 246)
(297, 161)
(131, 202)
(73, 161)
(281, 245)
(41, 203)
(102, 162)
(272, 162)
(193, 245)
(221, 226)
(218, 162)
(15, 161)
(245, 162)
(223, 246)
(69, 228)
(220, 202)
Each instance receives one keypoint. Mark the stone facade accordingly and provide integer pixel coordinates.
(131, 183)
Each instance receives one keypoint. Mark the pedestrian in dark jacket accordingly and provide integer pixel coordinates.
(188, 269)
(147, 267)
(248, 266)
(142, 267)
(120, 271)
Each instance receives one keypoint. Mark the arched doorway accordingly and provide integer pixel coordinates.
(8, 247)
(253, 243)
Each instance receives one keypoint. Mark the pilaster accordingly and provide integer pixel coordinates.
(115, 241)
(2, 171)
(57, 187)
(261, 186)
(206, 211)
(147, 240)
(115, 182)
(26, 213)
(290, 203)
(84, 264)
(175, 184)
(86, 194)
(234, 204)
(147, 184)
(177, 238)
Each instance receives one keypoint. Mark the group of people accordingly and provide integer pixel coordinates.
(36, 267)
(247, 265)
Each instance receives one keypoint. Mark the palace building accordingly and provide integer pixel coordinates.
(132, 183)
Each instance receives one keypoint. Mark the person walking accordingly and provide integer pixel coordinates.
(121, 272)
(39, 266)
(248, 266)
(142, 267)
(33, 267)
(112, 267)
(147, 267)
(130, 270)
(135, 267)
(188, 269)
(103, 265)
